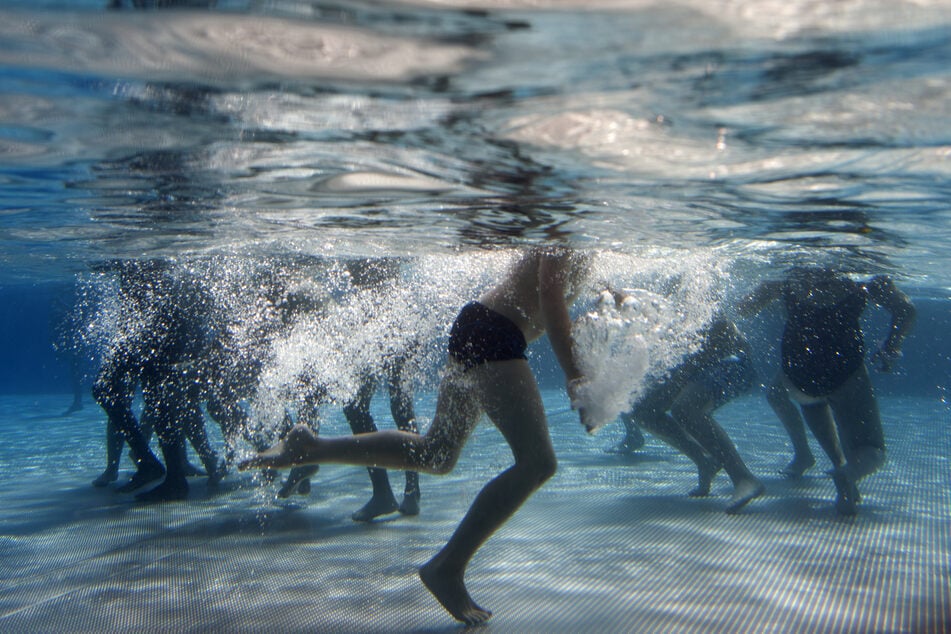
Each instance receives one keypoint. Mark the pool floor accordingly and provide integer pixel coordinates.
(611, 543)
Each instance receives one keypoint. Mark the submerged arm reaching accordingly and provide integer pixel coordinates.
(882, 290)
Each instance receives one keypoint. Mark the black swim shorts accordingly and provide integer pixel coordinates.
(480, 335)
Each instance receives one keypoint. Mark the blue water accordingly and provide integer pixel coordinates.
(714, 143)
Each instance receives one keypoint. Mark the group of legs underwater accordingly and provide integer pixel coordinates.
(823, 384)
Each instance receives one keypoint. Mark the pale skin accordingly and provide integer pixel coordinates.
(535, 296)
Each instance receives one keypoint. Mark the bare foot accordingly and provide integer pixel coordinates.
(146, 474)
(706, 472)
(848, 496)
(108, 476)
(450, 591)
(293, 450)
(410, 504)
(798, 466)
(633, 441)
(298, 480)
(743, 492)
(376, 507)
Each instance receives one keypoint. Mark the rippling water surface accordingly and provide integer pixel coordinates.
(787, 130)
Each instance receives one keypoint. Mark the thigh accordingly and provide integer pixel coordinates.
(696, 397)
(657, 399)
(818, 416)
(457, 413)
(856, 413)
(727, 379)
(509, 395)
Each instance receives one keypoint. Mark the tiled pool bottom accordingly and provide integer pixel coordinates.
(610, 544)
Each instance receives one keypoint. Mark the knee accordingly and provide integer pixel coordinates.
(107, 395)
(538, 469)
(434, 455)
(440, 461)
(681, 411)
(547, 468)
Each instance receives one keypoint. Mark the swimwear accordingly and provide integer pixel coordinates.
(822, 345)
(729, 377)
(480, 335)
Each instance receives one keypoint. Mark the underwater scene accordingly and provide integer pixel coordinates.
(531, 315)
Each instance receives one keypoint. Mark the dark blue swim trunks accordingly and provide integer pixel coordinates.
(480, 335)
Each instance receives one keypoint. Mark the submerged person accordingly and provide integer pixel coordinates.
(116, 381)
(172, 382)
(372, 278)
(487, 372)
(238, 353)
(114, 391)
(375, 276)
(823, 364)
(310, 394)
(357, 413)
(679, 410)
(159, 345)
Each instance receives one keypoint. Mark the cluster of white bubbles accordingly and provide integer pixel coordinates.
(101, 317)
(126, 307)
(307, 324)
(354, 330)
(648, 312)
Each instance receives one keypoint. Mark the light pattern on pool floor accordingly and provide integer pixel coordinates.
(610, 544)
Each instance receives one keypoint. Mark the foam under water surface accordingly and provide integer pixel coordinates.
(611, 543)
